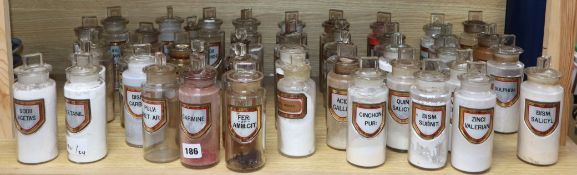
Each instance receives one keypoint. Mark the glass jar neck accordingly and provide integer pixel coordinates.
(245, 87)
(428, 86)
(196, 83)
(34, 78)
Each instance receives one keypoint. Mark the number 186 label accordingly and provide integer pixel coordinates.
(191, 151)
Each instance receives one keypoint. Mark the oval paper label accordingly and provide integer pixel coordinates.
(399, 106)
(476, 125)
(78, 114)
(368, 119)
(541, 118)
(29, 115)
(244, 122)
(292, 106)
(428, 121)
(133, 101)
(338, 104)
(153, 114)
(507, 90)
(195, 119)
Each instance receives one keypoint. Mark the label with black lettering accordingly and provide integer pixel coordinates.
(541, 118)
(507, 90)
(116, 51)
(428, 121)
(291, 106)
(153, 114)
(196, 119)
(213, 53)
(476, 125)
(133, 101)
(78, 114)
(338, 104)
(29, 115)
(244, 122)
(399, 106)
(368, 119)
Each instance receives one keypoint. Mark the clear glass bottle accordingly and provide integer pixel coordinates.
(252, 38)
(542, 117)
(428, 138)
(431, 31)
(160, 112)
(296, 96)
(291, 29)
(132, 79)
(472, 134)
(378, 29)
(485, 41)
(85, 111)
(328, 35)
(180, 51)
(399, 82)
(35, 117)
(116, 37)
(471, 28)
(341, 37)
(200, 104)
(211, 33)
(192, 27)
(146, 33)
(367, 138)
(338, 82)
(245, 118)
(168, 25)
(388, 53)
(507, 71)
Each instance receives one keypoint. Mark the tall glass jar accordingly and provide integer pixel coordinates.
(471, 29)
(200, 106)
(542, 116)
(338, 82)
(366, 138)
(388, 53)
(399, 82)
(245, 118)
(507, 71)
(377, 30)
(485, 41)
(473, 113)
(180, 52)
(211, 33)
(431, 31)
(252, 38)
(429, 117)
(146, 33)
(168, 25)
(35, 112)
(296, 96)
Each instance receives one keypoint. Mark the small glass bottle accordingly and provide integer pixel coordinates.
(116, 37)
(85, 111)
(542, 117)
(472, 134)
(471, 29)
(160, 112)
(252, 38)
(377, 31)
(330, 28)
(200, 106)
(429, 117)
(296, 96)
(291, 29)
(168, 25)
(341, 39)
(485, 41)
(399, 82)
(431, 31)
(132, 80)
(146, 33)
(180, 51)
(192, 27)
(211, 33)
(367, 138)
(338, 82)
(388, 53)
(507, 71)
(244, 138)
(35, 112)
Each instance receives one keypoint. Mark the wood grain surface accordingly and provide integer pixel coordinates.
(46, 25)
(123, 159)
(6, 78)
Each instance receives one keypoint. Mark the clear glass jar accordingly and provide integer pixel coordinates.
(471, 28)
(485, 41)
(200, 104)
(332, 28)
(35, 117)
(399, 82)
(507, 71)
(542, 117)
(388, 53)
(473, 118)
(211, 33)
(446, 45)
(160, 112)
(456, 68)
(296, 96)
(338, 82)
(428, 148)
(251, 37)
(244, 100)
(342, 40)
(431, 31)
(146, 33)
(367, 99)
(180, 51)
(377, 30)
(168, 26)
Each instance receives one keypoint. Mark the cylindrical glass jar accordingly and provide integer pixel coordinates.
(329, 28)
(541, 115)
(252, 38)
(211, 33)
(35, 112)
(457, 67)
(367, 99)
(341, 39)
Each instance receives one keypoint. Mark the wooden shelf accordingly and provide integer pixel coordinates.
(124, 159)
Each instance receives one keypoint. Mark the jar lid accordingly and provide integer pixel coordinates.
(507, 51)
(343, 36)
(244, 71)
(32, 71)
(140, 58)
(431, 71)
(382, 19)
(209, 20)
(476, 74)
(83, 69)
(114, 22)
(334, 14)
(341, 24)
(542, 73)
(475, 23)
(406, 64)
(297, 68)
(291, 23)
(290, 49)
(464, 56)
(369, 70)
(160, 72)
(346, 65)
(398, 41)
(246, 20)
(146, 33)
(489, 37)
(191, 23)
(89, 30)
(434, 27)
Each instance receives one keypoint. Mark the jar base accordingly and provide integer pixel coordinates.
(538, 165)
(469, 172)
(338, 149)
(297, 157)
(201, 166)
(427, 169)
(133, 145)
(365, 167)
(38, 163)
(397, 150)
(499, 132)
(246, 170)
(98, 160)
